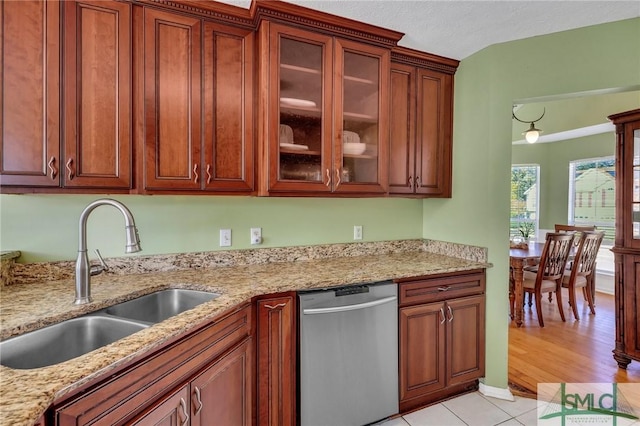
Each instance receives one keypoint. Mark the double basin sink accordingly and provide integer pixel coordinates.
(78, 336)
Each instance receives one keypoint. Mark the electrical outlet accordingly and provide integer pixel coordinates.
(225, 238)
(256, 236)
(357, 232)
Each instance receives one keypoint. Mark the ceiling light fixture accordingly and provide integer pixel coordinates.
(532, 134)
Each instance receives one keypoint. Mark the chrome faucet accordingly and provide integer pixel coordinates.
(84, 271)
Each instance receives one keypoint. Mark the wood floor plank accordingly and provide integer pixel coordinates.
(569, 352)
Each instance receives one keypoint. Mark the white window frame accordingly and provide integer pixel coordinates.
(535, 222)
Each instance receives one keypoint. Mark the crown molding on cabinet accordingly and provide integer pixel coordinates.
(426, 60)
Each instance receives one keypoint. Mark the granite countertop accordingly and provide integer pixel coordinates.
(26, 394)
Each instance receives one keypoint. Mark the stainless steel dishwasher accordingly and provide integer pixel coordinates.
(348, 355)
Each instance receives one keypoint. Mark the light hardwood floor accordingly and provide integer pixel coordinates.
(569, 352)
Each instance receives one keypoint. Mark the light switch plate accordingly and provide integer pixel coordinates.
(357, 232)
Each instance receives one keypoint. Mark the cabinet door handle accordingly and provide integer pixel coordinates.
(338, 178)
(328, 178)
(450, 313)
(410, 182)
(442, 316)
(195, 173)
(52, 168)
(183, 404)
(445, 288)
(417, 184)
(198, 400)
(70, 169)
(209, 175)
(279, 305)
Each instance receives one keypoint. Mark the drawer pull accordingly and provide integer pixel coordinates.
(279, 305)
(450, 313)
(183, 404)
(445, 288)
(198, 400)
(442, 315)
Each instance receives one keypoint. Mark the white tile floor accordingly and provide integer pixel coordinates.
(473, 409)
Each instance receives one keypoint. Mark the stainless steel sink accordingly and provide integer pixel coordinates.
(64, 341)
(159, 306)
(78, 336)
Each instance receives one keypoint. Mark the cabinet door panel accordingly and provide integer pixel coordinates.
(361, 105)
(228, 108)
(631, 295)
(276, 353)
(296, 91)
(30, 109)
(172, 101)
(433, 151)
(422, 350)
(402, 130)
(171, 411)
(97, 94)
(223, 393)
(465, 339)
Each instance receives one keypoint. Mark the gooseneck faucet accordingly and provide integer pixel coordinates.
(83, 268)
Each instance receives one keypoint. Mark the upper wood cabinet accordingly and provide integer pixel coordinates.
(193, 66)
(420, 160)
(30, 99)
(97, 94)
(323, 105)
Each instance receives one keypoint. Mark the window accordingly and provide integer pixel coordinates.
(525, 184)
(590, 180)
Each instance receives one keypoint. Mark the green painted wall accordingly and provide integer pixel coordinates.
(45, 227)
(487, 83)
(554, 159)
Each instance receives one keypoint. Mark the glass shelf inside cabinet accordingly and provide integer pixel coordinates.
(635, 208)
(300, 98)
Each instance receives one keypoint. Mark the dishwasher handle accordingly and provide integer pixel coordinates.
(313, 311)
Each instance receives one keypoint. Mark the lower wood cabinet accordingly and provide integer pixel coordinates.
(276, 352)
(442, 342)
(208, 374)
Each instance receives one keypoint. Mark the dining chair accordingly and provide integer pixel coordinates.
(582, 269)
(578, 230)
(548, 277)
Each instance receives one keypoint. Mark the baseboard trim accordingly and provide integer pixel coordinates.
(494, 392)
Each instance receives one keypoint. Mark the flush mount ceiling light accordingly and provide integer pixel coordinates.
(532, 134)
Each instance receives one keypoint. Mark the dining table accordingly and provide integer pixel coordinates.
(519, 258)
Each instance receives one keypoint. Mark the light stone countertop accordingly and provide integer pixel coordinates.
(26, 394)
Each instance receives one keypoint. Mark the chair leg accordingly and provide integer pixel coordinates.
(550, 296)
(539, 309)
(559, 300)
(530, 298)
(572, 301)
(590, 300)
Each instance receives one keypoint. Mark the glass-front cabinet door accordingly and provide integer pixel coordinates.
(361, 126)
(327, 108)
(300, 104)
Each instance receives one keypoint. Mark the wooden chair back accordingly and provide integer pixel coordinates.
(585, 259)
(572, 228)
(554, 257)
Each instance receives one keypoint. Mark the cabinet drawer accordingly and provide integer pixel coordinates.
(441, 288)
(122, 396)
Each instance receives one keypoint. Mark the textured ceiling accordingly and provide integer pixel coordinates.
(457, 29)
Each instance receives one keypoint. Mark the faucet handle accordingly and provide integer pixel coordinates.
(98, 269)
